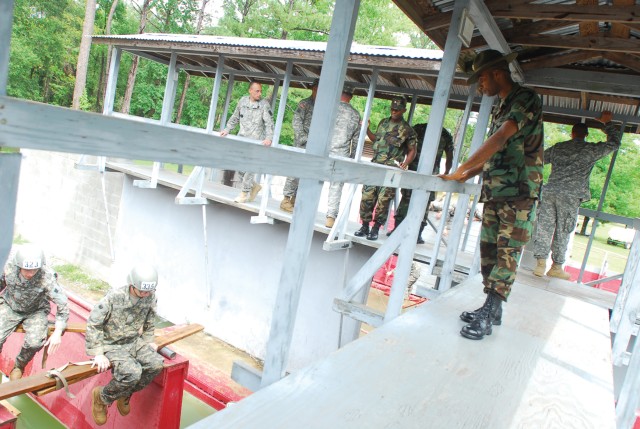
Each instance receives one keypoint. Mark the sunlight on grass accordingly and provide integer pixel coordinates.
(74, 274)
(616, 256)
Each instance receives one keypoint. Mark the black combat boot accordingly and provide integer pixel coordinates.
(420, 240)
(483, 323)
(470, 316)
(373, 234)
(363, 231)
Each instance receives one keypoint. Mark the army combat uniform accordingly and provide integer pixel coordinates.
(393, 140)
(256, 122)
(444, 146)
(121, 327)
(566, 189)
(301, 123)
(28, 302)
(511, 184)
(344, 142)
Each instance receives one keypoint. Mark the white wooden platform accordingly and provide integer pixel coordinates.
(225, 194)
(547, 366)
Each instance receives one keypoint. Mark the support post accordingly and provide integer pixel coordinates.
(301, 230)
(227, 101)
(6, 22)
(165, 117)
(9, 178)
(215, 93)
(418, 204)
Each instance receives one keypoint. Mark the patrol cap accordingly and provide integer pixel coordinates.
(29, 257)
(348, 88)
(399, 103)
(489, 59)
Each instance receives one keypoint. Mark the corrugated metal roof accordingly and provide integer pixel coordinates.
(356, 49)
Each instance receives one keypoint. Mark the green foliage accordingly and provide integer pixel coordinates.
(74, 274)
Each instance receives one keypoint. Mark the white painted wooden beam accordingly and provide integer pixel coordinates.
(482, 18)
(577, 80)
(6, 21)
(60, 129)
(9, 176)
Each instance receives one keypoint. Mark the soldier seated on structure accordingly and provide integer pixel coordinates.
(120, 333)
(27, 288)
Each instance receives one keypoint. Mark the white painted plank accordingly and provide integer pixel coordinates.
(547, 366)
(64, 130)
(9, 176)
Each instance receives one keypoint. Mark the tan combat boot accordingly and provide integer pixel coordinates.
(540, 268)
(254, 191)
(242, 198)
(98, 407)
(330, 221)
(557, 272)
(287, 204)
(124, 408)
(15, 374)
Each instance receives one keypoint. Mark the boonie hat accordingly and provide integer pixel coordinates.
(487, 59)
(398, 103)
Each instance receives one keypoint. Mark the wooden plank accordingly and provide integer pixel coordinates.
(548, 365)
(41, 383)
(71, 327)
(560, 59)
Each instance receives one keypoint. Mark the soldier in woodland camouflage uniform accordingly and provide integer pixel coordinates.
(301, 122)
(511, 164)
(344, 142)
(256, 122)
(444, 146)
(566, 189)
(394, 144)
(27, 288)
(120, 335)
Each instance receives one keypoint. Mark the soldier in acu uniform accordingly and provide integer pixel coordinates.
(301, 123)
(445, 146)
(120, 334)
(27, 288)
(394, 144)
(566, 189)
(511, 164)
(256, 122)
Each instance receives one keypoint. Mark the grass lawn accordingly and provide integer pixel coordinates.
(616, 255)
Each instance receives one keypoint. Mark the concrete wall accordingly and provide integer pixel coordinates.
(65, 213)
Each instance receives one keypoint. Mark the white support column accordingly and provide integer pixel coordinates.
(282, 107)
(412, 110)
(478, 137)
(339, 228)
(227, 101)
(9, 177)
(301, 229)
(165, 117)
(112, 81)
(215, 93)
(274, 94)
(418, 204)
(6, 22)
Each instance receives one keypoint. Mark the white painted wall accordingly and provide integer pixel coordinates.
(244, 259)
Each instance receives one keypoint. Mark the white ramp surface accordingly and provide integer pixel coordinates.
(547, 366)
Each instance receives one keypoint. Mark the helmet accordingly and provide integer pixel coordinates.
(29, 257)
(144, 278)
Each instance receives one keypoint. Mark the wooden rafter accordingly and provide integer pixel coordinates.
(589, 27)
(510, 9)
(630, 61)
(593, 43)
(537, 27)
(558, 60)
(617, 29)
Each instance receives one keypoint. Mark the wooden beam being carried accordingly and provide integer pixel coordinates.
(40, 383)
(71, 327)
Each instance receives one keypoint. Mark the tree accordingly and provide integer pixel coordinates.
(131, 78)
(83, 56)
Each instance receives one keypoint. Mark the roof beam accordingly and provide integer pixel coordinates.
(560, 59)
(487, 26)
(627, 60)
(511, 9)
(536, 27)
(593, 43)
(575, 80)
